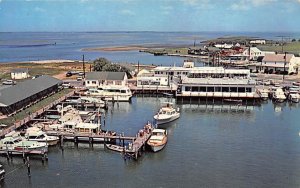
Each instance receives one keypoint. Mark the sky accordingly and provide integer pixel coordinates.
(150, 15)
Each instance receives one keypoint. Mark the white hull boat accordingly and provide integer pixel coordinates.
(14, 143)
(158, 140)
(279, 96)
(166, 114)
(294, 97)
(35, 134)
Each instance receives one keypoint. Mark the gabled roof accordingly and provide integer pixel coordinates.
(105, 75)
(19, 70)
(277, 57)
(23, 90)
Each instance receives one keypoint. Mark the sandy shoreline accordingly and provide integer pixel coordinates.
(114, 48)
(132, 47)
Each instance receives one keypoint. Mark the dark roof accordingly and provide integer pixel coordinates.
(23, 90)
(105, 75)
(19, 70)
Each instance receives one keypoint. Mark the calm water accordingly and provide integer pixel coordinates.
(208, 146)
(15, 47)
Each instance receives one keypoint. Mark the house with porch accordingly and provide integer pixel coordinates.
(95, 79)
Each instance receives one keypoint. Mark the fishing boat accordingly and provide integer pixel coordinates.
(158, 139)
(279, 96)
(166, 114)
(15, 143)
(36, 134)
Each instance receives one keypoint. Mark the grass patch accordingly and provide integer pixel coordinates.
(293, 47)
(32, 109)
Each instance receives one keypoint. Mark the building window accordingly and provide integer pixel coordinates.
(94, 82)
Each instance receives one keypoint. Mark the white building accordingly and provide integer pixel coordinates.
(224, 46)
(95, 79)
(20, 73)
(275, 63)
(258, 42)
(254, 53)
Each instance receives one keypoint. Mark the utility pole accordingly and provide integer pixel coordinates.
(83, 66)
(284, 66)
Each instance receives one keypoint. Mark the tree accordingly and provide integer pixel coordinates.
(100, 63)
(293, 40)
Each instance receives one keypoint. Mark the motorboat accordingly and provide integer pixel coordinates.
(263, 93)
(294, 96)
(111, 93)
(279, 96)
(15, 143)
(36, 134)
(88, 101)
(158, 139)
(166, 114)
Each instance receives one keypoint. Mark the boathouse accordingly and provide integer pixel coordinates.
(17, 97)
(20, 73)
(95, 79)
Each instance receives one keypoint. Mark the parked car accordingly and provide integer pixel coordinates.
(68, 74)
(66, 85)
(9, 82)
(79, 78)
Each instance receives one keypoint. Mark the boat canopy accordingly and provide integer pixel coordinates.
(158, 131)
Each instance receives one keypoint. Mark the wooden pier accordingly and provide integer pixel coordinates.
(134, 149)
(33, 115)
(24, 153)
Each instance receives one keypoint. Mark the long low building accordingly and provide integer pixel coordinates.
(16, 97)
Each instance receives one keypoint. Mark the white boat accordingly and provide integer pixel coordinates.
(294, 96)
(279, 96)
(36, 134)
(111, 93)
(166, 114)
(158, 139)
(263, 93)
(14, 142)
(88, 101)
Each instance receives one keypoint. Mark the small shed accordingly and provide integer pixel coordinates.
(19, 73)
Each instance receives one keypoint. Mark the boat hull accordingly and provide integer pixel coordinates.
(157, 148)
(164, 121)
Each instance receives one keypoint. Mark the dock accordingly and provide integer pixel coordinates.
(153, 91)
(134, 149)
(34, 115)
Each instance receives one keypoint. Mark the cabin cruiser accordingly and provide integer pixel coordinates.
(294, 96)
(13, 141)
(111, 93)
(158, 139)
(166, 114)
(279, 96)
(263, 93)
(36, 134)
(90, 101)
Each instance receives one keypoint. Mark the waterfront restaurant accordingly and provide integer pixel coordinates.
(17, 97)
(217, 82)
